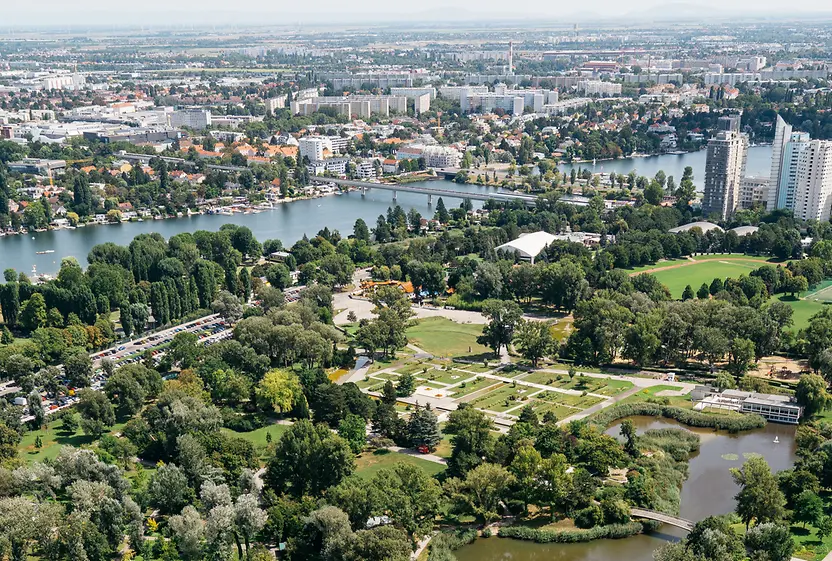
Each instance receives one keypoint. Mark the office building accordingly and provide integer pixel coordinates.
(724, 169)
(775, 408)
(37, 166)
(782, 135)
(197, 119)
(365, 170)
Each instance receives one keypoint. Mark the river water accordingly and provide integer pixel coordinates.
(709, 490)
(289, 222)
(759, 163)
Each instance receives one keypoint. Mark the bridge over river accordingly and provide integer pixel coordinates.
(686, 525)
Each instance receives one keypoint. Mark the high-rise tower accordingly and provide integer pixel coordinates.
(724, 168)
(782, 134)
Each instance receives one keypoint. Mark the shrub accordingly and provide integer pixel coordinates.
(486, 533)
(612, 531)
(444, 543)
(731, 423)
(589, 517)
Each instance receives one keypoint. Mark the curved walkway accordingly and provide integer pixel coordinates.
(663, 518)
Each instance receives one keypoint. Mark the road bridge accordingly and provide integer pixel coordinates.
(686, 525)
(529, 200)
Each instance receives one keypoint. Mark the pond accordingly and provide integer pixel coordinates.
(708, 490)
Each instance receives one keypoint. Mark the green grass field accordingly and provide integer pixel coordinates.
(443, 337)
(369, 463)
(705, 271)
(52, 439)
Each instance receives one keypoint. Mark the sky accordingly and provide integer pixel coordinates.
(274, 12)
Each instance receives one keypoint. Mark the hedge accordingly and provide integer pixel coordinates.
(444, 543)
(612, 531)
(731, 423)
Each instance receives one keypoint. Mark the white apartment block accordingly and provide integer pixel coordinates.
(275, 103)
(336, 166)
(365, 170)
(338, 144)
(458, 92)
(489, 102)
(197, 119)
(565, 106)
(597, 87)
(441, 157)
(362, 106)
(312, 148)
(421, 97)
(813, 193)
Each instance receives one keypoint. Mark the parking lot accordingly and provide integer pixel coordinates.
(209, 329)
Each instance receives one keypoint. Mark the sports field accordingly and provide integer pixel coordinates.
(677, 276)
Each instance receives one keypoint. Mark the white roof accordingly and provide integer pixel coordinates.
(704, 226)
(744, 230)
(529, 245)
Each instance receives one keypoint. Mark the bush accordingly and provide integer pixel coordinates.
(486, 533)
(589, 517)
(731, 423)
(241, 423)
(444, 543)
(612, 531)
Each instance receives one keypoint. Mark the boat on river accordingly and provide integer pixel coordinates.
(45, 252)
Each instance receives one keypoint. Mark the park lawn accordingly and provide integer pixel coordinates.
(414, 368)
(369, 463)
(445, 376)
(53, 439)
(443, 337)
(656, 265)
(467, 388)
(258, 436)
(477, 367)
(506, 397)
(702, 272)
(803, 309)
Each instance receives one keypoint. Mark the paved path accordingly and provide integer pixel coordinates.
(416, 454)
(359, 372)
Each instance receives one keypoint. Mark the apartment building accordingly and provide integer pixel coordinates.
(724, 169)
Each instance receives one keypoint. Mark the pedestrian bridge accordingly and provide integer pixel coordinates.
(663, 518)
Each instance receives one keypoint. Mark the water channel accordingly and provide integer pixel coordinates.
(708, 490)
(289, 222)
(758, 163)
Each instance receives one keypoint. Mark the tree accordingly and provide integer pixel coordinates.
(96, 412)
(628, 431)
(534, 340)
(760, 497)
(249, 519)
(78, 368)
(772, 542)
(188, 533)
(406, 385)
(654, 193)
(687, 294)
(35, 404)
(472, 438)
(9, 440)
(703, 293)
(33, 312)
(482, 490)
(811, 394)
(423, 429)
(442, 214)
(228, 306)
(169, 490)
(361, 231)
(70, 423)
(353, 429)
(824, 527)
(308, 459)
(808, 508)
(503, 317)
(740, 357)
(281, 389)
(279, 276)
(25, 522)
(125, 392)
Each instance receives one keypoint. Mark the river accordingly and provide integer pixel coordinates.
(709, 490)
(289, 222)
(759, 163)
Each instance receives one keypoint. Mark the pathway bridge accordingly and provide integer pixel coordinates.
(686, 525)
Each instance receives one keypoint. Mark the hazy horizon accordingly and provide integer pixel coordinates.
(51, 13)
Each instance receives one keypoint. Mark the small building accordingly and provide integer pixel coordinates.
(774, 408)
(705, 227)
(279, 256)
